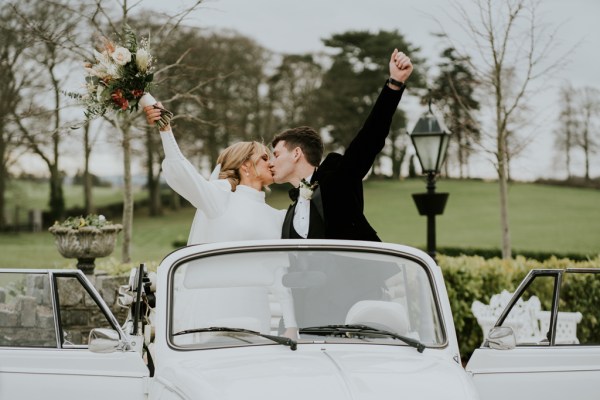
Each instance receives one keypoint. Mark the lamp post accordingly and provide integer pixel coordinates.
(430, 139)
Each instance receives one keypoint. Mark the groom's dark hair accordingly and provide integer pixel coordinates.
(304, 137)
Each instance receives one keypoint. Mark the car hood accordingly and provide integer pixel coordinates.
(315, 372)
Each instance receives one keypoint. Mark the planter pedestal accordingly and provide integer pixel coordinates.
(86, 265)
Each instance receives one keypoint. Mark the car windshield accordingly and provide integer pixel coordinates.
(327, 295)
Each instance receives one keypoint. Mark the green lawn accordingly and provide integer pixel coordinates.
(543, 218)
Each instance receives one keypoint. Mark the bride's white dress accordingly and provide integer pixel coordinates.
(221, 216)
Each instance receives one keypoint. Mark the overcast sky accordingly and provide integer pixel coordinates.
(298, 26)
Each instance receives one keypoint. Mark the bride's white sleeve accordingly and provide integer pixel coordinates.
(183, 177)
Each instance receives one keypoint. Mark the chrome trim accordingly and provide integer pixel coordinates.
(54, 296)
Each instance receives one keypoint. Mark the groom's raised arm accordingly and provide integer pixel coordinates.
(370, 140)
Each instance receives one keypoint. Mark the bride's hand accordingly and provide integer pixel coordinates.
(153, 114)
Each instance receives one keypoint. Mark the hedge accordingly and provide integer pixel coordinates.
(470, 278)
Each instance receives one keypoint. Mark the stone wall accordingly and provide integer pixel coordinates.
(27, 316)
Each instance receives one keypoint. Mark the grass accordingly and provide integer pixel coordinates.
(542, 218)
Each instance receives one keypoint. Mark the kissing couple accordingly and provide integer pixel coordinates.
(327, 196)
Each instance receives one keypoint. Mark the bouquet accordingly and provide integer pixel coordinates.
(119, 78)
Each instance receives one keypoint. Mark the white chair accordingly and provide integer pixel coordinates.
(527, 319)
(566, 326)
(522, 318)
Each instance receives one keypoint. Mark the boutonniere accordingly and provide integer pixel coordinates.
(307, 189)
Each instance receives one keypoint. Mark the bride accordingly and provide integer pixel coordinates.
(231, 205)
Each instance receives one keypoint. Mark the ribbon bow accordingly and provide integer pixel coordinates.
(294, 193)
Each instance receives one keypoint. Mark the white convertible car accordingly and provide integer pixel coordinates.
(261, 320)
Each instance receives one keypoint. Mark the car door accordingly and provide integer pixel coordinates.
(45, 320)
(551, 365)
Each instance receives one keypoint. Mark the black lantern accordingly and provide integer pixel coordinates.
(430, 139)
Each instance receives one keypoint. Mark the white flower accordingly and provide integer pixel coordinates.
(306, 192)
(101, 218)
(113, 71)
(142, 59)
(307, 189)
(121, 55)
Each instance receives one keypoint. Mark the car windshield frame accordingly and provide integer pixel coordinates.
(437, 319)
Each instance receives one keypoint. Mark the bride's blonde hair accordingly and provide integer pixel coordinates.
(232, 158)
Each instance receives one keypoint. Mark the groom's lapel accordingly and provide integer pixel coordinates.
(317, 200)
(287, 222)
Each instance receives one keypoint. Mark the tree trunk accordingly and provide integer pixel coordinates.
(396, 156)
(461, 155)
(585, 146)
(57, 200)
(503, 185)
(87, 177)
(3, 180)
(175, 201)
(152, 179)
(127, 192)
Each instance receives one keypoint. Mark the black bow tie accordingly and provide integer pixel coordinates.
(294, 193)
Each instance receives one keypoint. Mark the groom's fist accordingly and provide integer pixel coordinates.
(400, 66)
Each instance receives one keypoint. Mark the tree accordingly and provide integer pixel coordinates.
(453, 91)
(510, 43)
(566, 133)
(53, 30)
(589, 139)
(352, 83)
(292, 91)
(13, 46)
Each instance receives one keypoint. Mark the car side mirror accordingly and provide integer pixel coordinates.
(104, 340)
(502, 338)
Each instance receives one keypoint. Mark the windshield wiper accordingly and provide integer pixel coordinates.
(277, 339)
(338, 330)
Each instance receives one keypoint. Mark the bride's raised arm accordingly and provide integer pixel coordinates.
(183, 177)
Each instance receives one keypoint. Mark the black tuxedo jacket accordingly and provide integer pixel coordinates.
(340, 176)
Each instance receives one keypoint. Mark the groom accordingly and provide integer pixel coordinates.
(329, 204)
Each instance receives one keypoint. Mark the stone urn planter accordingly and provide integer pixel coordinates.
(85, 243)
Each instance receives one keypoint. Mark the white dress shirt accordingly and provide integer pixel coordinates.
(302, 214)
